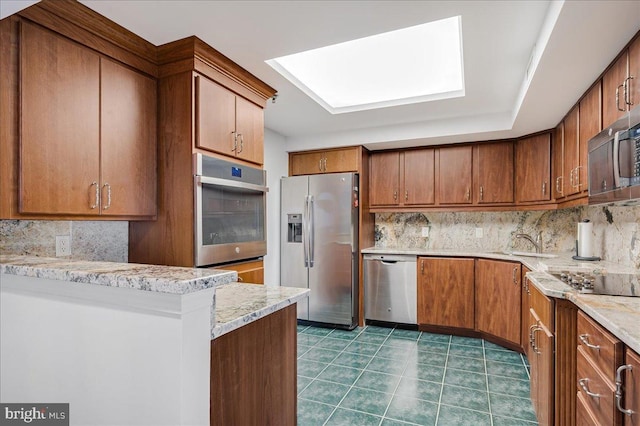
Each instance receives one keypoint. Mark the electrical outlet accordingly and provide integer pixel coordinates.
(63, 245)
(479, 232)
(425, 231)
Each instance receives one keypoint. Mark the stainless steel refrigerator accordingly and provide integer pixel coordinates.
(319, 245)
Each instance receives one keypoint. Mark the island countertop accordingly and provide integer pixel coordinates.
(239, 304)
(154, 278)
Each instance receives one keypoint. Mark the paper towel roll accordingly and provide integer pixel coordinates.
(585, 238)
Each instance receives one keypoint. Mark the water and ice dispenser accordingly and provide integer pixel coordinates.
(294, 228)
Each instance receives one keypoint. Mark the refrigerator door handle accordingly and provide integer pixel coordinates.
(305, 231)
(312, 231)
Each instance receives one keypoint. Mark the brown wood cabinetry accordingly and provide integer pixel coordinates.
(620, 84)
(590, 125)
(87, 131)
(533, 169)
(253, 373)
(571, 152)
(541, 355)
(494, 167)
(402, 178)
(633, 85)
(525, 304)
(446, 292)
(598, 357)
(557, 161)
(248, 272)
(498, 299)
(630, 379)
(337, 160)
(455, 177)
(227, 124)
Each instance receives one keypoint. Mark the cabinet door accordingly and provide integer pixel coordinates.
(533, 164)
(59, 125)
(590, 125)
(525, 305)
(341, 160)
(127, 141)
(498, 299)
(248, 272)
(384, 180)
(495, 173)
(306, 163)
(455, 175)
(557, 158)
(445, 292)
(250, 129)
(215, 117)
(634, 71)
(419, 177)
(631, 382)
(612, 108)
(544, 342)
(571, 153)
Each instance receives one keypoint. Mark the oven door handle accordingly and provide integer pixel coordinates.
(230, 183)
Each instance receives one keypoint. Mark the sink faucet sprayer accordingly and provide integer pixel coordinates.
(537, 243)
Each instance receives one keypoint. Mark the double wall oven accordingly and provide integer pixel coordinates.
(230, 211)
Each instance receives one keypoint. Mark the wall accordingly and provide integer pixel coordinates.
(90, 240)
(616, 231)
(276, 163)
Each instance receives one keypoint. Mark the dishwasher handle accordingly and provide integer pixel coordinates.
(388, 262)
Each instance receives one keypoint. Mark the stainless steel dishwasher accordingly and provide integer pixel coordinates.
(390, 288)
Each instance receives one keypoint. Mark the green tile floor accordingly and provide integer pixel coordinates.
(382, 376)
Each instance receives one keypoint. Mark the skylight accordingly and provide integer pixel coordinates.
(410, 65)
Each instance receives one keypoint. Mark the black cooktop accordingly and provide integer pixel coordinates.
(611, 284)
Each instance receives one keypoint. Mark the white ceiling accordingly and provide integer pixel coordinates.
(575, 41)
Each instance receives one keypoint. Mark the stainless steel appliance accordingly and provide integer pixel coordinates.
(390, 288)
(614, 162)
(230, 209)
(611, 284)
(319, 245)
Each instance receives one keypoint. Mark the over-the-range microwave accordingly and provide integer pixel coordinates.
(614, 163)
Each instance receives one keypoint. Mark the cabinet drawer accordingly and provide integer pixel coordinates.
(602, 403)
(604, 349)
(584, 415)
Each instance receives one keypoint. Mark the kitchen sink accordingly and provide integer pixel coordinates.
(530, 254)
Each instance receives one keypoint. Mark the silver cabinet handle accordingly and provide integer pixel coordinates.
(577, 179)
(531, 342)
(544, 188)
(584, 338)
(325, 164)
(241, 136)
(618, 97)
(571, 178)
(584, 384)
(559, 190)
(106, 185)
(515, 279)
(235, 142)
(395, 195)
(406, 195)
(96, 200)
(320, 164)
(481, 192)
(535, 345)
(468, 194)
(619, 371)
(422, 266)
(627, 90)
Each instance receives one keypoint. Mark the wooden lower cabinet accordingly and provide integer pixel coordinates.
(446, 292)
(631, 385)
(525, 304)
(253, 373)
(541, 355)
(498, 299)
(248, 272)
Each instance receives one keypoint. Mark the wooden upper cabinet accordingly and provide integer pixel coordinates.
(227, 124)
(494, 181)
(338, 160)
(590, 125)
(498, 299)
(557, 159)
(127, 141)
(533, 164)
(59, 125)
(571, 153)
(613, 106)
(418, 177)
(384, 180)
(455, 175)
(634, 74)
(446, 292)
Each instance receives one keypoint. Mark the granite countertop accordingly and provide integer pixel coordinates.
(239, 304)
(620, 315)
(155, 278)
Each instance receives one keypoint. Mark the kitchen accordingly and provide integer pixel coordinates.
(464, 229)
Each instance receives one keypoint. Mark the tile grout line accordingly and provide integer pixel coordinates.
(486, 375)
(444, 374)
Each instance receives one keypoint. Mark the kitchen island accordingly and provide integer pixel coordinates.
(135, 344)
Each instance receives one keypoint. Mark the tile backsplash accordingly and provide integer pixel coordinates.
(90, 240)
(616, 231)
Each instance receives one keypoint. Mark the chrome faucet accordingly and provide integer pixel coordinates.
(537, 243)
